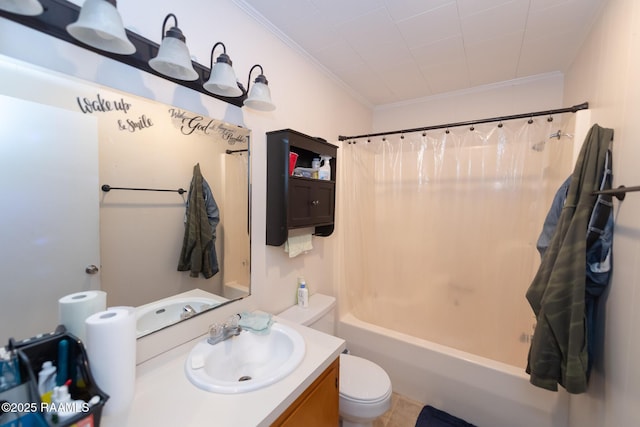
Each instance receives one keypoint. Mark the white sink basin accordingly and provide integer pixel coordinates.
(245, 362)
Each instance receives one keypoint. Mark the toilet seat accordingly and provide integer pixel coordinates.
(362, 381)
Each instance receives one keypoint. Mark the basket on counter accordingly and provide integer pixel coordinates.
(32, 353)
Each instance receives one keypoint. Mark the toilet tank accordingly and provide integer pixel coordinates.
(320, 314)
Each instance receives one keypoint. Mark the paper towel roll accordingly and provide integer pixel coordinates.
(111, 349)
(74, 309)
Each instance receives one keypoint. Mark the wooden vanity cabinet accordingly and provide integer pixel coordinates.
(318, 405)
(298, 202)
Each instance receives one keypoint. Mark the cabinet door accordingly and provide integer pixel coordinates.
(311, 202)
(300, 200)
(318, 406)
(323, 202)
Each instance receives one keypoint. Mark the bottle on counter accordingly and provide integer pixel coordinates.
(63, 407)
(315, 165)
(303, 294)
(325, 168)
(46, 380)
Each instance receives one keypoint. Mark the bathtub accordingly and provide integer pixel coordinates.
(481, 391)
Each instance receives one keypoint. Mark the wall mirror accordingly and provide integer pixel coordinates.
(63, 140)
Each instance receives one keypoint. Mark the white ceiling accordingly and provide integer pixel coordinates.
(388, 51)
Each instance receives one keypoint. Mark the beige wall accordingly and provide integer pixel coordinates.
(606, 72)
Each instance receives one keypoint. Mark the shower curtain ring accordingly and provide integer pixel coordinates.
(530, 120)
(472, 128)
(550, 119)
(500, 124)
(447, 131)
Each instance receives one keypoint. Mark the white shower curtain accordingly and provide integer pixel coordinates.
(440, 231)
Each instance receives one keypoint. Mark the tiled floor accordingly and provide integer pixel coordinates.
(403, 413)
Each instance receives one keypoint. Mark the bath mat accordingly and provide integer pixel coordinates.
(432, 417)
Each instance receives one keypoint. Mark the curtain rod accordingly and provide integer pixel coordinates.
(583, 106)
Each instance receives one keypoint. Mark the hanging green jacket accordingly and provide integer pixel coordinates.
(197, 244)
(558, 352)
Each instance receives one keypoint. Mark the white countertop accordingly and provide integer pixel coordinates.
(165, 397)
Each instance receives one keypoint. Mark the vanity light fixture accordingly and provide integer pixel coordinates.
(222, 80)
(173, 59)
(83, 25)
(260, 95)
(99, 25)
(22, 7)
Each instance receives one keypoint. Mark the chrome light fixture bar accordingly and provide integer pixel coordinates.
(58, 14)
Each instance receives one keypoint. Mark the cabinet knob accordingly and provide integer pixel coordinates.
(315, 202)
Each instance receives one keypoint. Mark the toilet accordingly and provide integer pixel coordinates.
(365, 388)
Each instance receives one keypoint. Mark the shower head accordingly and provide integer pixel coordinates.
(559, 134)
(539, 146)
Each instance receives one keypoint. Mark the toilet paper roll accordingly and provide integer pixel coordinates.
(74, 309)
(111, 349)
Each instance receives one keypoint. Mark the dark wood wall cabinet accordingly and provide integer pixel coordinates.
(296, 201)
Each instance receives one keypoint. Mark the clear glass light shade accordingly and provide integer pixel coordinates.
(223, 81)
(22, 7)
(100, 25)
(260, 98)
(173, 60)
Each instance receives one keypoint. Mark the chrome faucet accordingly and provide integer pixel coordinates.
(187, 311)
(219, 332)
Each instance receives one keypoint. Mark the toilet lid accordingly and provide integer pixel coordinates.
(362, 380)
